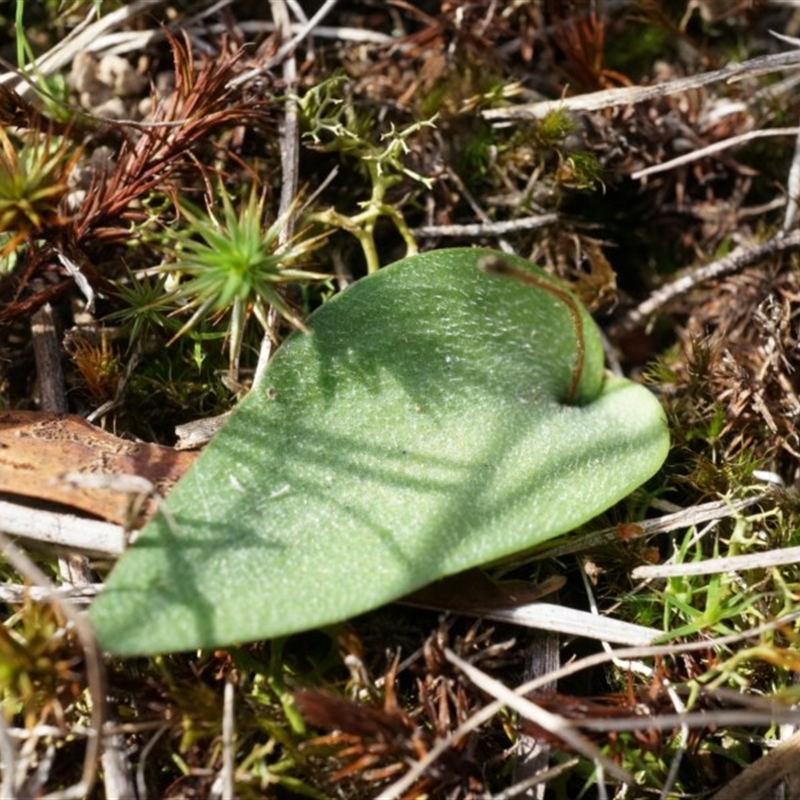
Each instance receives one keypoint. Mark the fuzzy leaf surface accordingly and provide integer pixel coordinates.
(418, 430)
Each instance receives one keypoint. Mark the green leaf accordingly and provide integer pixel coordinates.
(419, 429)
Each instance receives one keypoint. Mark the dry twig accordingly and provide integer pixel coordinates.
(740, 258)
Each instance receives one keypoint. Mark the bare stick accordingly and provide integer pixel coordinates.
(228, 749)
(78, 41)
(46, 351)
(542, 656)
(535, 781)
(717, 147)
(792, 188)
(290, 155)
(8, 762)
(735, 261)
(141, 783)
(74, 568)
(643, 669)
(486, 228)
(709, 566)
(290, 127)
(66, 531)
(630, 95)
(480, 213)
(117, 778)
(16, 593)
(685, 518)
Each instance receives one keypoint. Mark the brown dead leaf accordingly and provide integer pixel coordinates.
(38, 449)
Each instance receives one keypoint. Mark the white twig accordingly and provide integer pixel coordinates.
(716, 147)
(573, 622)
(545, 776)
(306, 30)
(740, 258)
(129, 41)
(16, 593)
(630, 95)
(8, 762)
(793, 188)
(141, 783)
(709, 566)
(504, 244)
(720, 718)
(290, 129)
(339, 33)
(228, 733)
(290, 159)
(62, 530)
(117, 777)
(685, 518)
(486, 228)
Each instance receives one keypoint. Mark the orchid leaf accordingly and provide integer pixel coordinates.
(435, 417)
